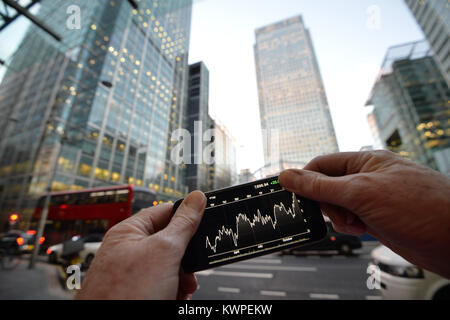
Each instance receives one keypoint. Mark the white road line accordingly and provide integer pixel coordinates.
(268, 261)
(235, 274)
(374, 298)
(273, 293)
(228, 290)
(323, 296)
(273, 268)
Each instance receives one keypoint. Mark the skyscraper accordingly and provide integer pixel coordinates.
(199, 173)
(293, 105)
(100, 105)
(411, 106)
(433, 16)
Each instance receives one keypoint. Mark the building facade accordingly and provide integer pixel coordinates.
(295, 116)
(245, 175)
(99, 106)
(275, 169)
(199, 172)
(433, 16)
(411, 106)
(374, 131)
(225, 171)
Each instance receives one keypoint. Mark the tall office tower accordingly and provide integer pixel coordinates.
(99, 106)
(411, 106)
(293, 106)
(200, 172)
(433, 17)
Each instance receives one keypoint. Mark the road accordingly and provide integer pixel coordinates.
(316, 276)
(312, 276)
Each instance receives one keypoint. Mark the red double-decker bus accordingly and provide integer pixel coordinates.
(90, 211)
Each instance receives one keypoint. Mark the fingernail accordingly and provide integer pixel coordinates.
(289, 178)
(195, 200)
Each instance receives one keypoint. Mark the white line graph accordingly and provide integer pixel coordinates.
(258, 218)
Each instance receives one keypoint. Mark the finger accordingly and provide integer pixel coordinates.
(188, 284)
(338, 164)
(147, 221)
(156, 218)
(343, 220)
(316, 186)
(186, 219)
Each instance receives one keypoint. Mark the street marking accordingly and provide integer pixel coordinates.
(323, 296)
(273, 268)
(374, 298)
(228, 290)
(268, 261)
(235, 274)
(273, 293)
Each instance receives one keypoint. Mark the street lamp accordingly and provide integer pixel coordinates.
(44, 213)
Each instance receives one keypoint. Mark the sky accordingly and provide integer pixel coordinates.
(350, 38)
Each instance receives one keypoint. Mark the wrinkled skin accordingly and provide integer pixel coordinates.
(140, 257)
(404, 205)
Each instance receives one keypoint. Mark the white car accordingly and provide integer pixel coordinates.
(91, 244)
(402, 280)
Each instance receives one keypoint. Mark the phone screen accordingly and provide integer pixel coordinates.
(251, 220)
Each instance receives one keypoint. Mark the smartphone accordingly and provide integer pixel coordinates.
(250, 220)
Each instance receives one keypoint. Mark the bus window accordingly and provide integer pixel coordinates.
(122, 195)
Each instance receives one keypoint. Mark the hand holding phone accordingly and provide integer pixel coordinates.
(250, 220)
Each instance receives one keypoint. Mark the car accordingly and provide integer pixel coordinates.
(334, 241)
(91, 244)
(399, 279)
(18, 241)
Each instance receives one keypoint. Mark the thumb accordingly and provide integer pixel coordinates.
(316, 186)
(187, 218)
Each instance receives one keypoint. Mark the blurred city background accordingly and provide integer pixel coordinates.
(94, 96)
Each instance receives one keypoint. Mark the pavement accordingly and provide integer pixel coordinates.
(40, 283)
(307, 276)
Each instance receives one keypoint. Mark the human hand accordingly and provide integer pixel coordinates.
(404, 205)
(140, 257)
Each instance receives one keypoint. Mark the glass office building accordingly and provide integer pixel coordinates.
(98, 106)
(433, 16)
(411, 106)
(293, 106)
(199, 173)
